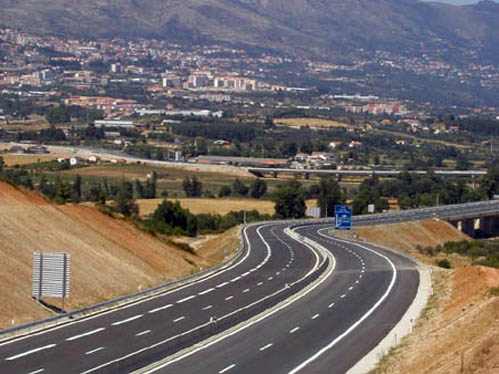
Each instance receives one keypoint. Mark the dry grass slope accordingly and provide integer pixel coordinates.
(459, 330)
(109, 257)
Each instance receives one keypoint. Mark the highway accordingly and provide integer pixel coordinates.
(326, 331)
(258, 171)
(172, 321)
(345, 297)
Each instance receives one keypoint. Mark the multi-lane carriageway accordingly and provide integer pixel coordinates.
(296, 301)
(326, 303)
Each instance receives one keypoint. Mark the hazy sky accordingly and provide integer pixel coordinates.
(456, 2)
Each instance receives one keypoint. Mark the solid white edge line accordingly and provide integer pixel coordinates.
(15, 357)
(359, 321)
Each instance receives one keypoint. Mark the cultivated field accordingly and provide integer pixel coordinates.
(213, 206)
(312, 122)
(169, 178)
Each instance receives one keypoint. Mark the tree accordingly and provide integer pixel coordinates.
(239, 188)
(490, 182)
(224, 191)
(77, 188)
(46, 188)
(63, 191)
(97, 195)
(192, 187)
(329, 196)
(58, 115)
(139, 188)
(170, 217)
(151, 185)
(124, 202)
(289, 200)
(462, 162)
(258, 188)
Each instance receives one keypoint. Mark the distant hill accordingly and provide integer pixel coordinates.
(325, 28)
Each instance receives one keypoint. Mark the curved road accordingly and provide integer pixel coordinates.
(328, 330)
(148, 330)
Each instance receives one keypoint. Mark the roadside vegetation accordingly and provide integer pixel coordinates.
(481, 252)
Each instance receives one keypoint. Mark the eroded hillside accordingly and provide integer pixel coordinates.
(109, 257)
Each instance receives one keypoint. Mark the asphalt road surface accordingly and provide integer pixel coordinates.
(327, 330)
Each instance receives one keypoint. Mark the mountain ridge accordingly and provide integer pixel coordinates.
(312, 27)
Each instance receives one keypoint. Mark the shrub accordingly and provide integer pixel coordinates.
(444, 264)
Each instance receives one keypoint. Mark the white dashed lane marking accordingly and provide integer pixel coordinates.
(266, 347)
(186, 299)
(206, 291)
(128, 320)
(227, 369)
(160, 308)
(94, 351)
(76, 337)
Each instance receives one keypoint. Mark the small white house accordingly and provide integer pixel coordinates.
(73, 161)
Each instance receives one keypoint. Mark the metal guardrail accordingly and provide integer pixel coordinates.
(121, 301)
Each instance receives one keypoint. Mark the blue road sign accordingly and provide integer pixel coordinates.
(342, 217)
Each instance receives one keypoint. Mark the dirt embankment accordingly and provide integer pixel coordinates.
(411, 235)
(109, 257)
(459, 330)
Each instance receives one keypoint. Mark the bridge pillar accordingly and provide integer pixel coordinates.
(307, 176)
(468, 227)
(489, 226)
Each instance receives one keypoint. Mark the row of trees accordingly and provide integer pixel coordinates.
(290, 198)
(256, 190)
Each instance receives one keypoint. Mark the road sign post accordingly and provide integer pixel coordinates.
(342, 217)
(51, 275)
